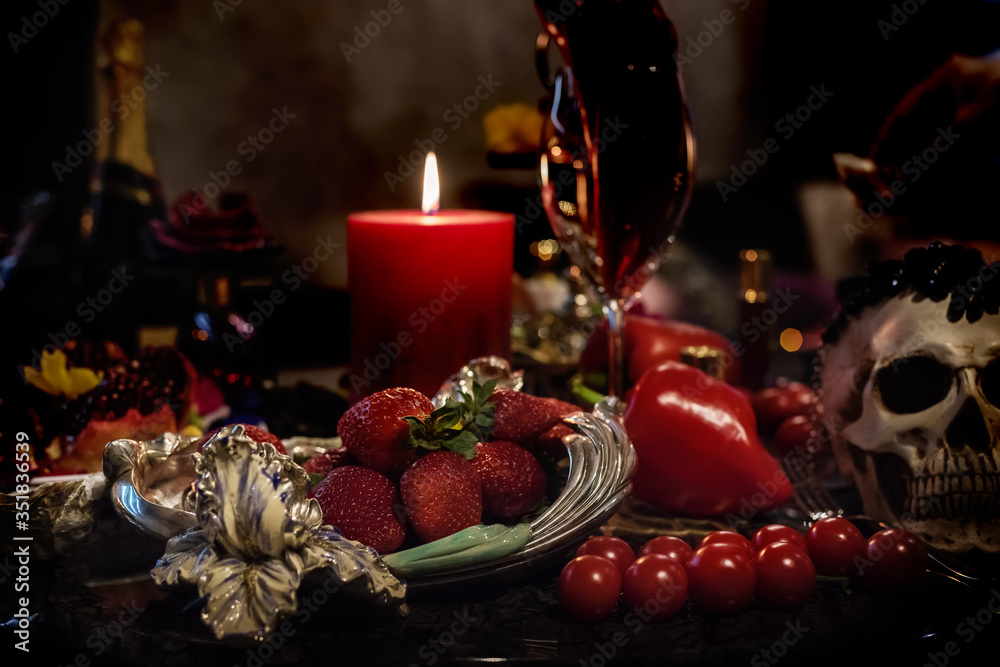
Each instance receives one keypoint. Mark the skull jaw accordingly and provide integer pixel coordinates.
(876, 476)
(957, 536)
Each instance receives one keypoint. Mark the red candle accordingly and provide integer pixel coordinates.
(429, 291)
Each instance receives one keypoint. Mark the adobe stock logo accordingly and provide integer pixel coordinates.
(900, 14)
(696, 44)
(912, 169)
(786, 126)
(368, 370)
(363, 35)
(31, 25)
(121, 107)
(455, 116)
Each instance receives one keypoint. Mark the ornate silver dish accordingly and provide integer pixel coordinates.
(601, 463)
(239, 526)
(253, 535)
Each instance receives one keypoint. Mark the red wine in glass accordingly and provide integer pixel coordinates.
(617, 157)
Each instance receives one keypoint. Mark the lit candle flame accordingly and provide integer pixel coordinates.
(432, 188)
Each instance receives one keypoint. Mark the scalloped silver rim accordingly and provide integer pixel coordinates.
(601, 464)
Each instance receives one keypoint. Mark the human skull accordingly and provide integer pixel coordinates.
(911, 401)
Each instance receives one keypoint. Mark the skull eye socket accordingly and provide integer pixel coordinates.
(989, 382)
(913, 384)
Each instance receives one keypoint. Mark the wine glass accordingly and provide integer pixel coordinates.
(617, 158)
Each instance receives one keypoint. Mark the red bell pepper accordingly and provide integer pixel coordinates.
(649, 341)
(697, 447)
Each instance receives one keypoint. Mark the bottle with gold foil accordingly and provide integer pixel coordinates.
(757, 321)
(706, 358)
(126, 193)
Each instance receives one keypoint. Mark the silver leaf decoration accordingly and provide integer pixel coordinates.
(258, 535)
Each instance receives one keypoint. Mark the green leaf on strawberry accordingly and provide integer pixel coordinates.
(480, 409)
(456, 426)
(464, 443)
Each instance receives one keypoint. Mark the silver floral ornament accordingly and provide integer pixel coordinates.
(153, 489)
(258, 536)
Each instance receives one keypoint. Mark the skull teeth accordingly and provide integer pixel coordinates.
(953, 496)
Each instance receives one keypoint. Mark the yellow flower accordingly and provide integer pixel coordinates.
(513, 128)
(57, 379)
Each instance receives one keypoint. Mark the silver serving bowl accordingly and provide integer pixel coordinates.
(152, 490)
(168, 491)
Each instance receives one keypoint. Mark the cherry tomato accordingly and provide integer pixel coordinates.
(656, 584)
(799, 434)
(778, 533)
(729, 537)
(896, 558)
(721, 578)
(668, 545)
(589, 587)
(615, 549)
(785, 575)
(834, 543)
(776, 404)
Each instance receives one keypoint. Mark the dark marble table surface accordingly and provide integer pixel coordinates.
(98, 607)
(86, 621)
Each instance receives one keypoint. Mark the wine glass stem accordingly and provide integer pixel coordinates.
(615, 310)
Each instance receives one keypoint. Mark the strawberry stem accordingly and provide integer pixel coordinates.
(456, 426)
(582, 388)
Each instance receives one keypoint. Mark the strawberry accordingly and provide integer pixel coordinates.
(374, 431)
(442, 494)
(255, 433)
(551, 442)
(258, 434)
(322, 464)
(520, 417)
(360, 502)
(513, 481)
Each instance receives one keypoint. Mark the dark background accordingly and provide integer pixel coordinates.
(229, 70)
